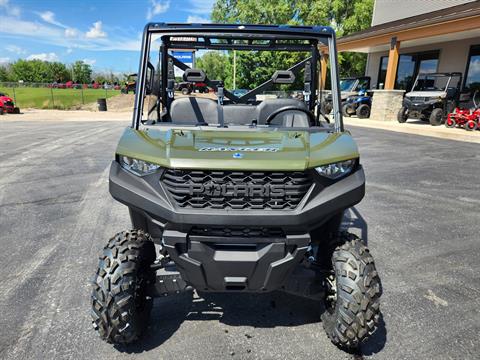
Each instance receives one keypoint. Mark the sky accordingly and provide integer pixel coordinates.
(104, 33)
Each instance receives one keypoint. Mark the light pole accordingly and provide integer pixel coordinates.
(234, 69)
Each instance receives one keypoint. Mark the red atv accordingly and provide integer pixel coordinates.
(466, 118)
(7, 105)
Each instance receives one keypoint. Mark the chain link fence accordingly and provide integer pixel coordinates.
(56, 96)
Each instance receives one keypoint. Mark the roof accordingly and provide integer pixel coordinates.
(435, 17)
(241, 29)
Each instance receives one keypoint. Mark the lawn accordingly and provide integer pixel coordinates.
(45, 98)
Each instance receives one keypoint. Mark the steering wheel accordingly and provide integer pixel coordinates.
(274, 114)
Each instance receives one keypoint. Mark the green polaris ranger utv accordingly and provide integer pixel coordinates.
(233, 194)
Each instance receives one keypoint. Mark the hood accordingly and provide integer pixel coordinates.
(225, 149)
(6, 98)
(425, 94)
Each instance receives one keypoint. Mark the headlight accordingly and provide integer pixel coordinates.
(138, 167)
(336, 170)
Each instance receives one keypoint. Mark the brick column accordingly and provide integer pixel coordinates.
(386, 104)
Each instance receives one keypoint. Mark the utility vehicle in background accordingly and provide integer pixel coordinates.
(130, 84)
(186, 87)
(359, 105)
(433, 97)
(234, 194)
(350, 86)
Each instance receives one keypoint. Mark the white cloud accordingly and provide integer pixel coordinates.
(69, 50)
(200, 7)
(197, 19)
(9, 9)
(15, 49)
(71, 32)
(26, 28)
(44, 57)
(4, 60)
(49, 17)
(52, 35)
(89, 61)
(157, 7)
(96, 31)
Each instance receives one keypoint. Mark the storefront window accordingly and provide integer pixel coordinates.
(472, 80)
(405, 72)
(382, 73)
(409, 66)
(428, 66)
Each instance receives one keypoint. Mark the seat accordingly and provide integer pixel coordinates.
(239, 114)
(193, 111)
(268, 106)
(291, 118)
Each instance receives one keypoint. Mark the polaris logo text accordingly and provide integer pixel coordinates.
(238, 149)
(235, 190)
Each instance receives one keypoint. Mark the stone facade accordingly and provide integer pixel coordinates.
(386, 104)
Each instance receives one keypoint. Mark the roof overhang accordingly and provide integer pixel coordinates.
(454, 23)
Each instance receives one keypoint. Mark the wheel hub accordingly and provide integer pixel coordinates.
(331, 292)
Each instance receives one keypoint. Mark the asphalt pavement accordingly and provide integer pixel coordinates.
(420, 217)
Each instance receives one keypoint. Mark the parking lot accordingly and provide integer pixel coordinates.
(420, 217)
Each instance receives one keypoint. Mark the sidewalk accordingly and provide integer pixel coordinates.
(417, 127)
(67, 115)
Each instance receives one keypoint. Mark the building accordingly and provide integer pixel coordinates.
(412, 36)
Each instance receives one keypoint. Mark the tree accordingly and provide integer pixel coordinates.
(5, 73)
(31, 71)
(39, 71)
(344, 16)
(58, 72)
(82, 73)
(217, 66)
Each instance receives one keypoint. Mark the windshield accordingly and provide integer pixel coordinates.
(347, 84)
(433, 82)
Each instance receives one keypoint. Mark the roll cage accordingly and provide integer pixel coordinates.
(239, 37)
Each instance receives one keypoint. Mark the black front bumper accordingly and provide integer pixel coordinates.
(255, 262)
(147, 194)
(420, 109)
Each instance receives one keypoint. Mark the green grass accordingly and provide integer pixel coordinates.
(41, 98)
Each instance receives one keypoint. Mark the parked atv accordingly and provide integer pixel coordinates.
(236, 195)
(7, 105)
(348, 87)
(359, 105)
(432, 98)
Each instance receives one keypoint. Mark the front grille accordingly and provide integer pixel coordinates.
(418, 98)
(240, 232)
(236, 190)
